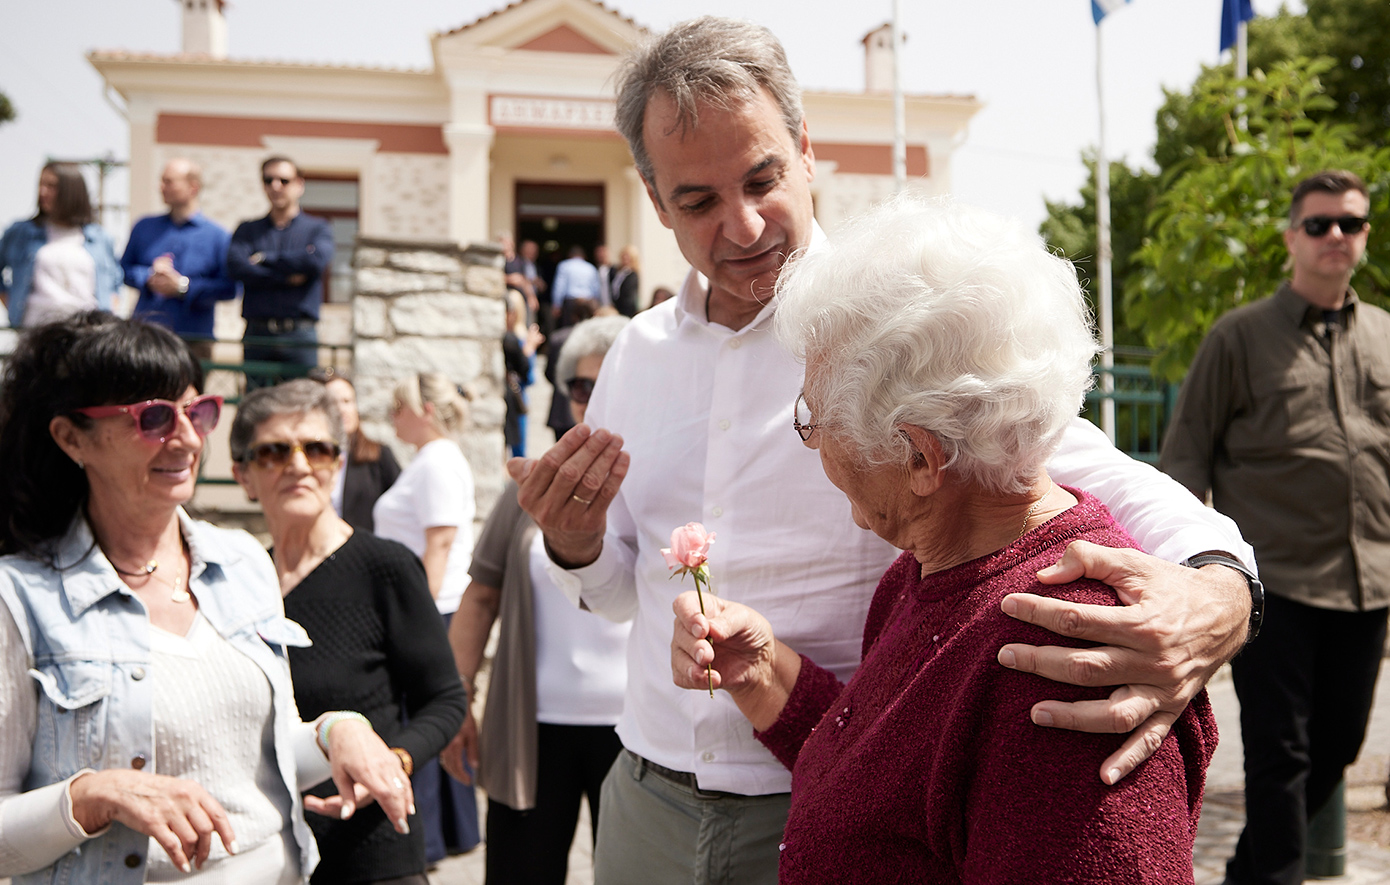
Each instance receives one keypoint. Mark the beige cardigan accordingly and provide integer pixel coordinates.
(507, 738)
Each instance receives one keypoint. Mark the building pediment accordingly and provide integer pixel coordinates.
(568, 26)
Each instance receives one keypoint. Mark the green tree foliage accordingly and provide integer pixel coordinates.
(6, 109)
(1071, 230)
(1354, 34)
(1215, 238)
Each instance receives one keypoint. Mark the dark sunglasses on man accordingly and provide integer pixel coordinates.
(580, 389)
(271, 179)
(1319, 225)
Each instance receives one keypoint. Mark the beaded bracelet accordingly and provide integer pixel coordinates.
(328, 720)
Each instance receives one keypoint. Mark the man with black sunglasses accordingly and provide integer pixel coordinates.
(1285, 418)
(280, 260)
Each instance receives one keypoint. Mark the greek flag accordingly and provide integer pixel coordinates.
(1233, 13)
(1101, 8)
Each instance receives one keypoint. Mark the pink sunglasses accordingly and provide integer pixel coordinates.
(155, 418)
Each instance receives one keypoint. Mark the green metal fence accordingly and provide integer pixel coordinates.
(1143, 404)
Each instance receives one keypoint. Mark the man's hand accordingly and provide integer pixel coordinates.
(164, 279)
(568, 489)
(1176, 628)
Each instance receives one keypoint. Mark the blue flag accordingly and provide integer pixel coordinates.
(1233, 12)
(1100, 8)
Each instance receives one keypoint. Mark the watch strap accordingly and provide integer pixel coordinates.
(1257, 589)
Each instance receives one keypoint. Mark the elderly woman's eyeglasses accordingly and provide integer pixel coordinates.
(155, 418)
(580, 389)
(801, 418)
(320, 453)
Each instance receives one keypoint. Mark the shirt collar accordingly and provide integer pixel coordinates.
(1296, 309)
(92, 578)
(694, 294)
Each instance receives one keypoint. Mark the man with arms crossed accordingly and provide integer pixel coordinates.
(702, 397)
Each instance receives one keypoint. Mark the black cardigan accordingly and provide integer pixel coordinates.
(363, 483)
(380, 649)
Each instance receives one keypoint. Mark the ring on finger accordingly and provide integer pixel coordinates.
(397, 783)
(581, 500)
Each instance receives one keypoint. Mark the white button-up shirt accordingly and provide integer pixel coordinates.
(706, 414)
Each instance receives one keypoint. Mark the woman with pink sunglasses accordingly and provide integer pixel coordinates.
(147, 719)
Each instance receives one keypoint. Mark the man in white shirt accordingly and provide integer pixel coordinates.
(702, 398)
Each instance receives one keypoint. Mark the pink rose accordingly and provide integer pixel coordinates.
(689, 546)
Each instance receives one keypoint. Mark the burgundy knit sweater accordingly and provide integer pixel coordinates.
(927, 769)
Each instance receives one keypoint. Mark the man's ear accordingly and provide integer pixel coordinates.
(928, 459)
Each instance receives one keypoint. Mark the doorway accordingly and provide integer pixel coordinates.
(558, 216)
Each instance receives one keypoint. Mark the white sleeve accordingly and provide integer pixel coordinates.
(444, 487)
(1164, 517)
(37, 827)
(311, 766)
(608, 585)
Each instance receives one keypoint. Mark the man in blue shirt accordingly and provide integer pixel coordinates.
(574, 278)
(279, 261)
(178, 261)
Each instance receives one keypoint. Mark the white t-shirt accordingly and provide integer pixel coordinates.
(581, 658)
(435, 489)
(65, 278)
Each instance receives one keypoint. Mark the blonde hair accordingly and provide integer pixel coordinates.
(516, 305)
(433, 388)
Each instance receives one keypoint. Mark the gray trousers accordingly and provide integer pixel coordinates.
(654, 831)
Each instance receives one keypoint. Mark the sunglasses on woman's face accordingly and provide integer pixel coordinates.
(155, 419)
(320, 453)
(580, 389)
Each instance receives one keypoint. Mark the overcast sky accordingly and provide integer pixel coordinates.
(1032, 62)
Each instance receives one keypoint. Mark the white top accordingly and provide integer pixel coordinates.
(434, 489)
(65, 278)
(706, 413)
(581, 661)
(37, 827)
(223, 740)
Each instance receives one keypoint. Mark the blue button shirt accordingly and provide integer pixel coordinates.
(302, 248)
(199, 250)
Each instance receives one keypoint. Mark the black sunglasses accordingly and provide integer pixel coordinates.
(580, 389)
(1319, 225)
(320, 453)
(271, 179)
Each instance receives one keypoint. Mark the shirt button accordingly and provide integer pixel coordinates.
(724, 425)
(137, 674)
(736, 343)
(707, 756)
(138, 762)
(132, 860)
(717, 511)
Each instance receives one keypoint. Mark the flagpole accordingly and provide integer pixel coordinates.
(899, 111)
(1103, 256)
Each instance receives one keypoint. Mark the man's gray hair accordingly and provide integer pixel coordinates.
(716, 61)
(302, 396)
(590, 338)
(948, 318)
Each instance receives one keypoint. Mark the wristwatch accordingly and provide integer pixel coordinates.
(183, 285)
(1257, 590)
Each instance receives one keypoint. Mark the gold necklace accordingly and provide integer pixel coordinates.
(1032, 509)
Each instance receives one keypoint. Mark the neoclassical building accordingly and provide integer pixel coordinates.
(509, 130)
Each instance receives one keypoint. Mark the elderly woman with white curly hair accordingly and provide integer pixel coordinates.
(945, 352)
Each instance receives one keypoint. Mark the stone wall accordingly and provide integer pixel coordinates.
(433, 307)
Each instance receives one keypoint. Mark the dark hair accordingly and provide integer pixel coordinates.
(1331, 181)
(302, 396)
(91, 359)
(271, 161)
(71, 207)
(362, 449)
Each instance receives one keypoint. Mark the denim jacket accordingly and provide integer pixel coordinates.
(89, 637)
(21, 243)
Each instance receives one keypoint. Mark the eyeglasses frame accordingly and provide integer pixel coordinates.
(135, 410)
(803, 430)
(251, 456)
(1341, 221)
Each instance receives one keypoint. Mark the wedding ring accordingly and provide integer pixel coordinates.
(581, 500)
(396, 782)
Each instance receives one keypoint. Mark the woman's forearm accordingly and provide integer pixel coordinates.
(438, 541)
(762, 702)
(37, 828)
(469, 629)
